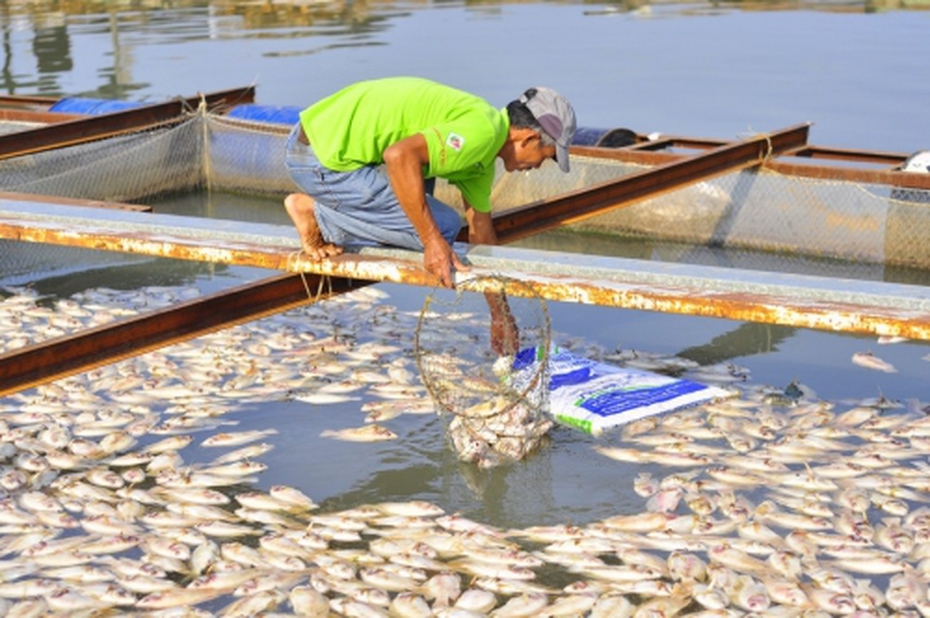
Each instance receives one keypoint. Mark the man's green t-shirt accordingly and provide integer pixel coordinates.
(463, 132)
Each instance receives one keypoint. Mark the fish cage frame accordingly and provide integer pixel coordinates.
(815, 303)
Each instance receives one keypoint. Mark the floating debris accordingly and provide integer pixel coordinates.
(870, 361)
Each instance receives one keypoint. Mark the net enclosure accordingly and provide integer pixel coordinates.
(756, 210)
(495, 405)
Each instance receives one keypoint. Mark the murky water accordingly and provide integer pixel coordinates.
(716, 72)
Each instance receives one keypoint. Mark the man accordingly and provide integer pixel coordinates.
(419, 130)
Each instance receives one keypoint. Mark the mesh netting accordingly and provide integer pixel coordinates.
(768, 211)
(490, 387)
(27, 262)
(795, 217)
(125, 168)
(203, 152)
(247, 157)
(792, 217)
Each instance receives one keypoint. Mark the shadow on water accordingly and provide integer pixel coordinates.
(745, 340)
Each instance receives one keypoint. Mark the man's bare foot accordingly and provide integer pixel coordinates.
(300, 207)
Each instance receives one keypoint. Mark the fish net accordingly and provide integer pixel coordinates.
(490, 384)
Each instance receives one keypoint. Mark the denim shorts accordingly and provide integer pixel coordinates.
(359, 207)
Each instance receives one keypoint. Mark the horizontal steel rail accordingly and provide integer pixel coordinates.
(89, 128)
(871, 307)
(590, 201)
(67, 355)
(788, 163)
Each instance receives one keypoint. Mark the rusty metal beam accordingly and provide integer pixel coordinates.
(866, 307)
(27, 101)
(186, 238)
(19, 115)
(871, 307)
(91, 128)
(857, 155)
(63, 356)
(578, 205)
(778, 164)
(889, 177)
(851, 155)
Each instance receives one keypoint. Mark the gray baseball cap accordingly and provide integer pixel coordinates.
(557, 118)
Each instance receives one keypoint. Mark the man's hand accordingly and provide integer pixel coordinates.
(440, 260)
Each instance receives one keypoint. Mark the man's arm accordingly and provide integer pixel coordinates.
(404, 162)
(480, 227)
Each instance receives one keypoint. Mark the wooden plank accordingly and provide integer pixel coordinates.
(91, 128)
(597, 199)
(63, 356)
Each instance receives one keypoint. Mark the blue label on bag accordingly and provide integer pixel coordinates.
(610, 402)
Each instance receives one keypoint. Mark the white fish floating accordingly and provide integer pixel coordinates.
(322, 398)
(529, 604)
(308, 601)
(237, 438)
(870, 361)
(366, 433)
(246, 452)
(291, 496)
(413, 508)
(890, 339)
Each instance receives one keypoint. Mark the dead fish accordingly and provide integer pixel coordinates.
(528, 604)
(612, 605)
(890, 339)
(321, 399)
(497, 571)
(246, 452)
(870, 361)
(236, 469)
(171, 444)
(200, 495)
(307, 601)
(346, 606)
(641, 522)
(366, 433)
(178, 597)
(386, 580)
(291, 496)
(410, 605)
(476, 600)
(412, 508)
(225, 529)
(237, 438)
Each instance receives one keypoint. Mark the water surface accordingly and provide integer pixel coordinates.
(857, 71)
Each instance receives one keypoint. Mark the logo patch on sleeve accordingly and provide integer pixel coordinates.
(455, 141)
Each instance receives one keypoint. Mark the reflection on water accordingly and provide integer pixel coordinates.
(118, 29)
(40, 54)
(640, 248)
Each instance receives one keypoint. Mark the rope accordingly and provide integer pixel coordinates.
(293, 265)
(768, 148)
